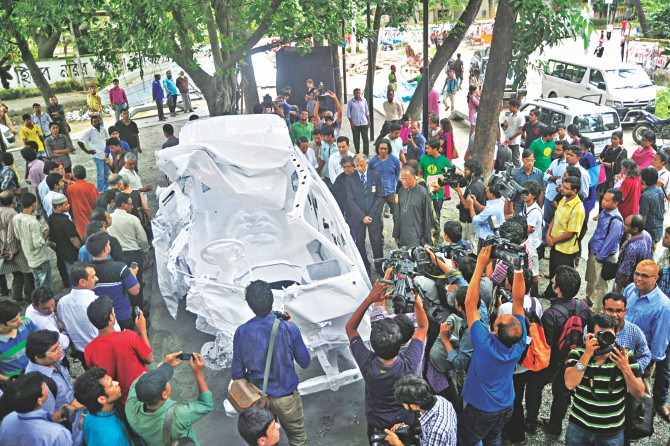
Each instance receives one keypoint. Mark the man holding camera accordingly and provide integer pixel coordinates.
(271, 107)
(600, 374)
(473, 175)
(149, 402)
(437, 416)
(489, 389)
(493, 209)
(385, 364)
(250, 346)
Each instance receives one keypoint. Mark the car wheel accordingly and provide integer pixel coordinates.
(553, 95)
(638, 129)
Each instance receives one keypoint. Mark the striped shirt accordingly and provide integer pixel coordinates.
(604, 414)
(569, 217)
(13, 359)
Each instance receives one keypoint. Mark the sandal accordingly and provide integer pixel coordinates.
(663, 412)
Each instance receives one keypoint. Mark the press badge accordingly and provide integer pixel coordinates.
(374, 189)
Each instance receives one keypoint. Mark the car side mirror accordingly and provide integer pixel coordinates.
(602, 86)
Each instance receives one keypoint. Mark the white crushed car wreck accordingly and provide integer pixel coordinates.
(245, 204)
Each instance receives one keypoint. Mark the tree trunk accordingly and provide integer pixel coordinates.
(644, 25)
(79, 42)
(46, 41)
(443, 54)
(337, 74)
(28, 58)
(489, 105)
(249, 87)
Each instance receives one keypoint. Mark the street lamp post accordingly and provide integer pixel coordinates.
(424, 77)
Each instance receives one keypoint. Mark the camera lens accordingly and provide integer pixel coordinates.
(606, 338)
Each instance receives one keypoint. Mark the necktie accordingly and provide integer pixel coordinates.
(365, 183)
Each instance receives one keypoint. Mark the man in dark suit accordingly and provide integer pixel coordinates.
(364, 193)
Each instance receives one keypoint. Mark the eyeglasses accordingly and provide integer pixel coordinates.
(644, 276)
(58, 350)
(405, 179)
(612, 310)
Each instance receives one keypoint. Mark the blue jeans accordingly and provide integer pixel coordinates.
(576, 436)
(42, 275)
(117, 110)
(102, 173)
(136, 152)
(475, 425)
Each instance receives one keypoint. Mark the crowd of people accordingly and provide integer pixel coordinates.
(451, 366)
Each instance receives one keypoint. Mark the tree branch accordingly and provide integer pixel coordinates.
(252, 40)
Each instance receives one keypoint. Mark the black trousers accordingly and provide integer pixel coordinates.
(358, 131)
(159, 107)
(553, 374)
(23, 286)
(375, 231)
(515, 427)
(136, 256)
(556, 259)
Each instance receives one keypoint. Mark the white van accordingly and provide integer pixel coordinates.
(622, 86)
(594, 121)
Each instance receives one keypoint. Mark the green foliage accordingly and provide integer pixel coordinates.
(66, 86)
(659, 19)
(539, 27)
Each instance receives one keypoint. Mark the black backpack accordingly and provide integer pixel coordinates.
(504, 156)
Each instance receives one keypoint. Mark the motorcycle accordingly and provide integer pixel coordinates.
(648, 121)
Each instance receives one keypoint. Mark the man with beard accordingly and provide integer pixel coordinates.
(414, 215)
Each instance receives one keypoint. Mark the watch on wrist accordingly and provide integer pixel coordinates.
(580, 367)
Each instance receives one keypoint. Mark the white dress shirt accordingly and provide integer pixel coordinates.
(48, 322)
(72, 310)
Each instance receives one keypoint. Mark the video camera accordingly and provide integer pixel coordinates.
(451, 251)
(503, 182)
(502, 249)
(409, 435)
(406, 263)
(451, 178)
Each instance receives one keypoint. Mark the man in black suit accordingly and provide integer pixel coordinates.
(364, 193)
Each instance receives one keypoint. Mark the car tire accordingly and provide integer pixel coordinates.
(638, 129)
(553, 95)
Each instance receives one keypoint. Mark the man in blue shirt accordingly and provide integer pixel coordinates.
(359, 119)
(489, 389)
(652, 205)
(171, 92)
(495, 207)
(96, 390)
(158, 95)
(250, 346)
(388, 168)
(524, 174)
(649, 309)
(604, 245)
(44, 352)
(30, 424)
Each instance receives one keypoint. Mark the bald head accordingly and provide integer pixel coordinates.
(6, 198)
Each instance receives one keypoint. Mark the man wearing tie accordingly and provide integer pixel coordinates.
(364, 193)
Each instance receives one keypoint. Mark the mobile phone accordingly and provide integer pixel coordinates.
(133, 265)
(186, 356)
(136, 311)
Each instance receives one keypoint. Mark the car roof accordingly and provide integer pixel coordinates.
(577, 106)
(590, 62)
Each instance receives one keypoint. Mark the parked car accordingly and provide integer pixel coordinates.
(594, 121)
(622, 86)
(478, 66)
(7, 135)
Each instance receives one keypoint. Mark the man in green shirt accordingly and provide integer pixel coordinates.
(149, 400)
(430, 168)
(302, 128)
(543, 148)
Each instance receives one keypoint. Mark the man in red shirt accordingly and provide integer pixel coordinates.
(81, 194)
(124, 354)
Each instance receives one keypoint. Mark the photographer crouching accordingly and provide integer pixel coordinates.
(385, 364)
(436, 416)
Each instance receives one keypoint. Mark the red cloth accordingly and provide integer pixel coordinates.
(81, 195)
(631, 188)
(119, 353)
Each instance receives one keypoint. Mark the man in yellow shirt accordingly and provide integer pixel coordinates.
(564, 230)
(94, 103)
(31, 132)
